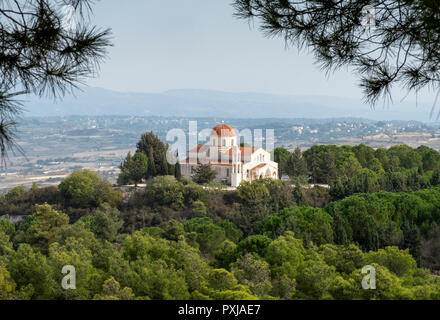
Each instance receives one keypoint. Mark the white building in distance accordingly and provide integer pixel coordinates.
(232, 163)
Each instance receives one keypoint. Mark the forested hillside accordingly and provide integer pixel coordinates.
(361, 168)
(269, 239)
(177, 240)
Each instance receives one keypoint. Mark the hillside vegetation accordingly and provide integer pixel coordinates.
(269, 239)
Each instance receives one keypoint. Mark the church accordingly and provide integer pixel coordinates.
(232, 163)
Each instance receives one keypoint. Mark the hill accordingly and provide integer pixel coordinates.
(207, 103)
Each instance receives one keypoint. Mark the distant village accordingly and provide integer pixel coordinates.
(100, 143)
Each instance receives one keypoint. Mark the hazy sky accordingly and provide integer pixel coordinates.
(162, 45)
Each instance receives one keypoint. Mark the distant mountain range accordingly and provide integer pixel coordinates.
(207, 103)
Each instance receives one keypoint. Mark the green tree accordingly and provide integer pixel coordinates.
(48, 226)
(366, 220)
(312, 224)
(315, 278)
(388, 286)
(34, 186)
(155, 150)
(165, 168)
(285, 255)
(296, 164)
(178, 171)
(253, 244)
(280, 193)
(199, 208)
(375, 165)
(8, 287)
(111, 290)
(364, 154)
(232, 232)
(405, 156)
(340, 188)
(84, 188)
(307, 223)
(281, 156)
(365, 181)
(253, 272)
(330, 167)
(162, 269)
(299, 195)
(75, 252)
(430, 158)
(31, 271)
(15, 193)
(400, 262)
(322, 161)
(254, 204)
(106, 222)
(346, 259)
(7, 227)
(152, 171)
(222, 285)
(382, 155)
(203, 174)
(165, 191)
(46, 58)
(313, 164)
(133, 169)
(194, 192)
(174, 230)
(348, 166)
(209, 236)
(6, 247)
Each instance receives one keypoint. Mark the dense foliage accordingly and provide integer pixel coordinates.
(203, 173)
(362, 169)
(133, 169)
(178, 240)
(150, 160)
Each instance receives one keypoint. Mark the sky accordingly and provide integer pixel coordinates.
(163, 45)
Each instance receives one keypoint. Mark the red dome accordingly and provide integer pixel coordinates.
(223, 130)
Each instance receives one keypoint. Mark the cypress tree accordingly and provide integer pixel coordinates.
(296, 165)
(151, 171)
(163, 165)
(177, 170)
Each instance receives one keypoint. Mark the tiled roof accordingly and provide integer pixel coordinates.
(223, 130)
(196, 148)
(244, 150)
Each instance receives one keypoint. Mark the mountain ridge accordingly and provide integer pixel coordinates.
(211, 103)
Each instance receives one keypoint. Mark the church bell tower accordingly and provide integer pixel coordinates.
(237, 167)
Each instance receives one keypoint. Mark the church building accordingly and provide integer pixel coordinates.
(232, 163)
